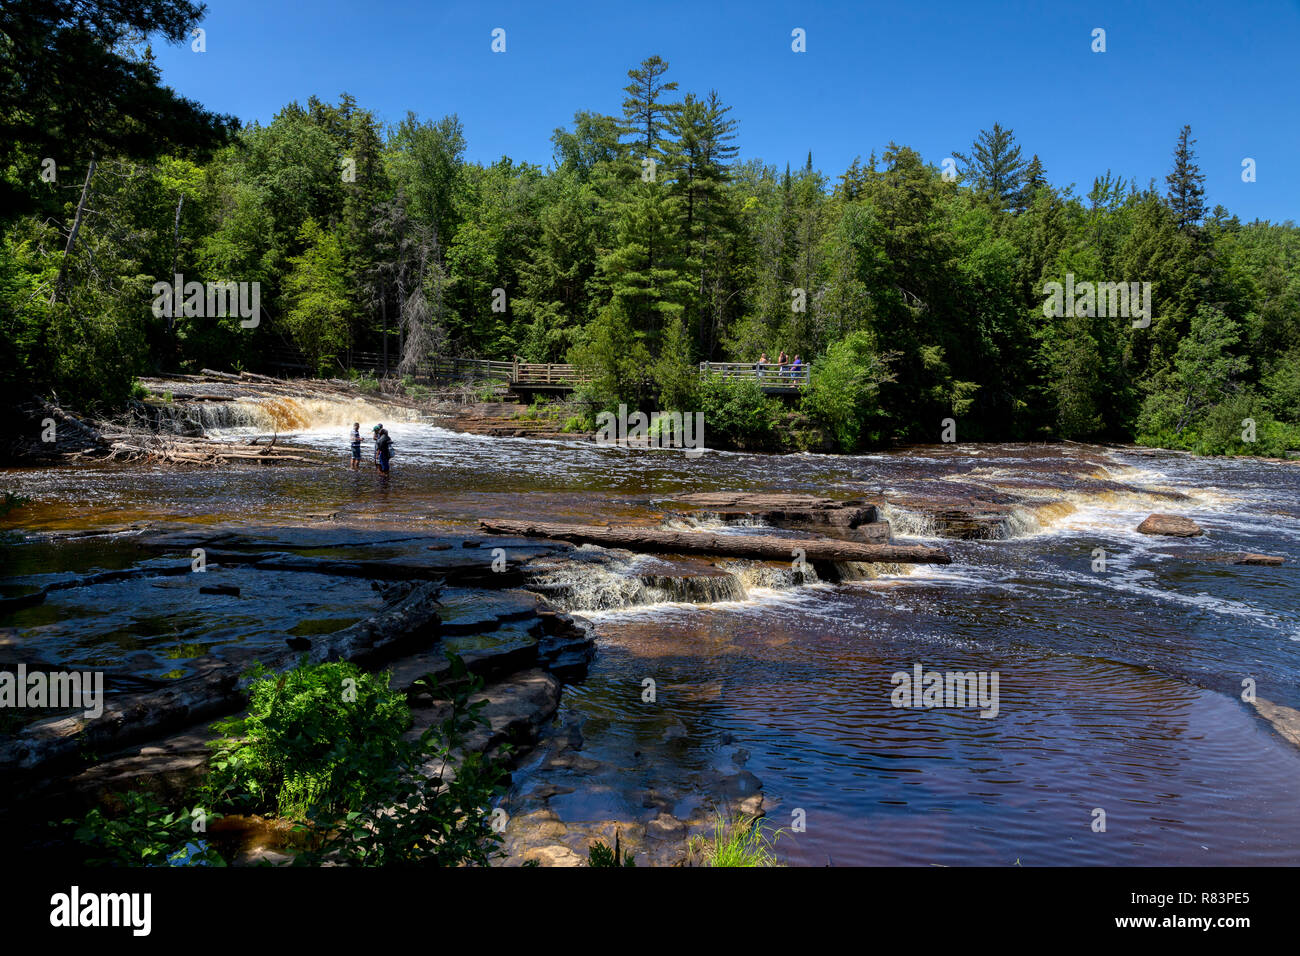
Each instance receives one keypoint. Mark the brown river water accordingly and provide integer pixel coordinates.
(1119, 690)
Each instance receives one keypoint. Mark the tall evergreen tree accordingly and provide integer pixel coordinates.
(994, 167)
(1186, 196)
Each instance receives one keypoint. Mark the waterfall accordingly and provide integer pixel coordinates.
(264, 414)
(605, 580)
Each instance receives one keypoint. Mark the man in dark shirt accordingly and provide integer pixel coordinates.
(383, 448)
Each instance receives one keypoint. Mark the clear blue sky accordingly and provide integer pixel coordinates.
(926, 74)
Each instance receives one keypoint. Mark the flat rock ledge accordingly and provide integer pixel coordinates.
(756, 547)
(855, 518)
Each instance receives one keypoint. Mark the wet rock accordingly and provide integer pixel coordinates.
(574, 762)
(738, 786)
(548, 790)
(987, 517)
(666, 827)
(1266, 560)
(557, 855)
(515, 709)
(853, 518)
(1170, 525)
(761, 547)
(1240, 558)
(227, 589)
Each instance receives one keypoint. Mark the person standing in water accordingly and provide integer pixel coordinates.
(383, 448)
(356, 446)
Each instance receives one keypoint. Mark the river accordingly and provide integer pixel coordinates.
(1120, 686)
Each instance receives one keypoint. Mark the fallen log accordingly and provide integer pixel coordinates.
(758, 547)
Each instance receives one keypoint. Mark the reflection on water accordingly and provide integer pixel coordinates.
(1120, 688)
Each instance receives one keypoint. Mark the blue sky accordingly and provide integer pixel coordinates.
(926, 74)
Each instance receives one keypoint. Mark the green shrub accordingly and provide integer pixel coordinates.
(327, 744)
(1224, 430)
(297, 749)
(736, 412)
(145, 833)
(415, 812)
(841, 396)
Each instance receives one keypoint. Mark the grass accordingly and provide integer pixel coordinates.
(743, 841)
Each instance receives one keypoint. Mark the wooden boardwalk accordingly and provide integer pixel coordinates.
(533, 377)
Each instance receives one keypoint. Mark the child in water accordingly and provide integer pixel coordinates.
(356, 446)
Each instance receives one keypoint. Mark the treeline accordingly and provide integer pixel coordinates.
(917, 291)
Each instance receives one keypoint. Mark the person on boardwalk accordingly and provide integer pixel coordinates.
(383, 449)
(762, 366)
(356, 446)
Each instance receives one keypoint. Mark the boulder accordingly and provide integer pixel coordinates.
(1170, 525)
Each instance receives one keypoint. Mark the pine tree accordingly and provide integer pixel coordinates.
(645, 116)
(994, 165)
(1186, 196)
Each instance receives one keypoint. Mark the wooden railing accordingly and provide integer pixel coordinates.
(767, 374)
(539, 374)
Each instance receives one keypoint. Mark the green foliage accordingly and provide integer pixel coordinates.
(145, 833)
(648, 247)
(306, 733)
(675, 376)
(615, 358)
(1205, 372)
(599, 854)
(843, 390)
(740, 842)
(429, 804)
(326, 745)
(317, 295)
(736, 412)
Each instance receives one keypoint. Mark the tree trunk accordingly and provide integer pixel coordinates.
(72, 236)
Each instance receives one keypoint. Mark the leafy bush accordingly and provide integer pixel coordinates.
(144, 833)
(415, 812)
(336, 757)
(736, 412)
(843, 388)
(1224, 430)
(307, 730)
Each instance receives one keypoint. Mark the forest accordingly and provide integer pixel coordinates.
(915, 286)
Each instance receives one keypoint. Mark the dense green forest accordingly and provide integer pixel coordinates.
(650, 243)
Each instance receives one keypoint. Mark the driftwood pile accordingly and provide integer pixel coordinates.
(129, 438)
(136, 445)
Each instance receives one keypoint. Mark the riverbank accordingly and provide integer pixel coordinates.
(171, 419)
